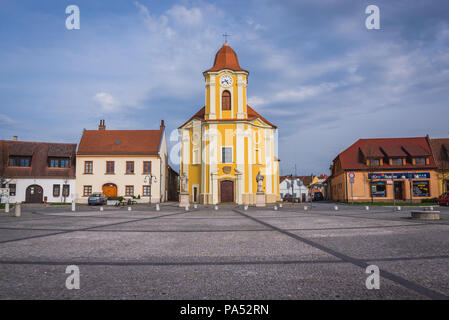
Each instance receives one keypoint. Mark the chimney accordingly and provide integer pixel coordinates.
(102, 125)
(15, 138)
(162, 124)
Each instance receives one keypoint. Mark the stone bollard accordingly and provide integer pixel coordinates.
(186, 208)
(336, 208)
(101, 208)
(157, 207)
(18, 210)
(275, 208)
(129, 209)
(195, 206)
(398, 208)
(306, 208)
(73, 206)
(367, 208)
(216, 208)
(280, 205)
(6, 207)
(245, 208)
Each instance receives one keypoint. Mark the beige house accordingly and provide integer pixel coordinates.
(128, 163)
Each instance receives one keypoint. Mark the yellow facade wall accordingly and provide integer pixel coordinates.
(341, 187)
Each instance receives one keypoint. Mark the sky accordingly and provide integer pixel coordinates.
(316, 71)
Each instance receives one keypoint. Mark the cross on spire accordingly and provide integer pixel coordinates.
(225, 35)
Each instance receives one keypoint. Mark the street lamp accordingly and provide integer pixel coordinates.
(149, 180)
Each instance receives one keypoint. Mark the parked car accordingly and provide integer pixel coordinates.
(318, 196)
(289, 198)
(443, 200)
(97, 198)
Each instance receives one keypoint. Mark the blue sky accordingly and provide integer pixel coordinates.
(315, 70)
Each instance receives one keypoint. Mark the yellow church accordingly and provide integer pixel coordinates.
(227, 144)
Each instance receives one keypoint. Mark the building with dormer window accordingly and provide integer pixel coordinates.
(37, 172)
(384, 170)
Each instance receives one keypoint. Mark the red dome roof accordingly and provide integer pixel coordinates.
(226, 58)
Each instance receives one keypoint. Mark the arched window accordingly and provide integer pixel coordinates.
(226, 100)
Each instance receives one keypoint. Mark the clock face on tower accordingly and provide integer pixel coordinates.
(226, 81)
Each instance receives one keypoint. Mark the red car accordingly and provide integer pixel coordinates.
(443, 200)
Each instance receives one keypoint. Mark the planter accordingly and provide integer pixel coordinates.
(112, 202)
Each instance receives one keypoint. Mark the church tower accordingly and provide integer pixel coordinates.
(226, 87)
(227, 143)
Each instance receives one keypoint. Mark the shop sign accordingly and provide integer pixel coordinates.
(396, 176)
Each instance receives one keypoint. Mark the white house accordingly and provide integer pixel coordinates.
(37, 172)
(293, 186)
(123, 163)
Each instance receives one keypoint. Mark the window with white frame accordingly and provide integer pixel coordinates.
(195, 156)
(226, 154)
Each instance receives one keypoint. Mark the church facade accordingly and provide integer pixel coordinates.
(227, 143)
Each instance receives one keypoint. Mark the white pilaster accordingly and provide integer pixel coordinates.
(268, 162)
(185, 151)
(240, 85)
(213, 158)
(212, 106)
(240, 158)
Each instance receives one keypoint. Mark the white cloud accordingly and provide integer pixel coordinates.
(183, 15)
(298, 94)
(107, 102)
(5, 119)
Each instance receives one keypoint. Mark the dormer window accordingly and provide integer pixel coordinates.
(15, 161)
(226, 100)
(420, 160)
(58, 162)
(396, 162)
(375, 162)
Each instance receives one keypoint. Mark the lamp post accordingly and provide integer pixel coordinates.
(291, 181)
(149, 180)
(394, 190)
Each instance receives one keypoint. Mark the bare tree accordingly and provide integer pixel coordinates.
(444, 167)
(370, 155)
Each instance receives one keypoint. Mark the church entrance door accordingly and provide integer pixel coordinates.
(227, 191)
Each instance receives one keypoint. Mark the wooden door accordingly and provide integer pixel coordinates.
(34, 194)
(226, 191)
(195, 194)
(110, 190)
(398, 195)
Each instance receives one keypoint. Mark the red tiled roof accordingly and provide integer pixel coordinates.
(417, 150)
(226, 58)
(440, 149)
(393, 151)
(370, 151)
(350, 159)
(252, 115)
(39, 151)
(120, 142)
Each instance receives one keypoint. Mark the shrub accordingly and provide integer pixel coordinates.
(116, 198)
(432, 200)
